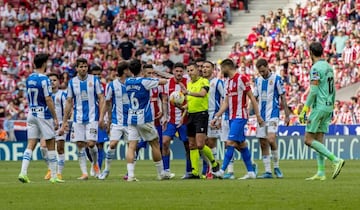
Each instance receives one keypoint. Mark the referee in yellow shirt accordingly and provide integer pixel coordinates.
(197, 108)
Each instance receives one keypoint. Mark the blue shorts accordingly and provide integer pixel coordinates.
(171, 130)
(237, 130)
(102, 136)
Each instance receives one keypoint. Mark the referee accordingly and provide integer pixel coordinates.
(197, 108)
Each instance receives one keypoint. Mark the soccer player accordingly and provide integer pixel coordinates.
(117, 103)
(174, 119)
(321, 99)
(237, 91)
(140, 119)
(59, 98)
(102, 134)
(197, 92)
(216, 95)
(269, 90)
(42, 119)
(85, 96)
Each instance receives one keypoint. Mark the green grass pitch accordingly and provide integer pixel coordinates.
(291, 192)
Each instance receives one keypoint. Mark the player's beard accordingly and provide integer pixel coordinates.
(226, 75)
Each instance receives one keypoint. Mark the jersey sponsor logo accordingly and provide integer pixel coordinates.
(315, 75)
(84, 95)
(271, 82)
(136, 112)
(37, 109)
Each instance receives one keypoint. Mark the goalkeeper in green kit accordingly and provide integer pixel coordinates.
(321, 101)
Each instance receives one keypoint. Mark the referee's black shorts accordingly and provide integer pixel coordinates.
(197, 123)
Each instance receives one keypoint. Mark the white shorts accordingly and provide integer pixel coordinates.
(118, 132)
(224, 130)
(39, 128)
(271, 126)
(84, 131)
(146, 131)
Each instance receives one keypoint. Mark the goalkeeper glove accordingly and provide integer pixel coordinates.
(302, 115)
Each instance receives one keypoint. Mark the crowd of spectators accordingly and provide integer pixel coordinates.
(163, 32)
(283, 37)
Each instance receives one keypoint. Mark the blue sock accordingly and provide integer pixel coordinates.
(166, 162)
(228, 157)
(205, 167)
(100, 156)
(246, 156)
(141, 144)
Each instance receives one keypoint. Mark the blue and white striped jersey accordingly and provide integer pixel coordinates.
(85, 96)
(38, 87)
(216, 95)
(138, 90)
(116, 93)
(268, 92)
(59, 99)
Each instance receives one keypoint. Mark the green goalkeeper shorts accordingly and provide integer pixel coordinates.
(318, 122)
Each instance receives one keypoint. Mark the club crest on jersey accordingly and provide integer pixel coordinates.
(271, 82)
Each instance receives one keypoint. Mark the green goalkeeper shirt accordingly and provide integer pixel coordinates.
(322, 72)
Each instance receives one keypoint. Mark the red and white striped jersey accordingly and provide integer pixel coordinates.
(174, 114)
(349, 54)
(346, 118)
(121, 25)
(76, 15)
(236, 91)
(155, 99)
(72, 56)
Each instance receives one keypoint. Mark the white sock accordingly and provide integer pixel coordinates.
(214, 152)
(26, 161)
(52, 162)
(267, 163)
(159, 167)
(230, 168)
(109, 156)
(44, 154)
(82, 161)
(130, 169)
(61, 163)
(275, 158)
(94, 154)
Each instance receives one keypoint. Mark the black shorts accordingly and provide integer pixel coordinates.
(197, 123)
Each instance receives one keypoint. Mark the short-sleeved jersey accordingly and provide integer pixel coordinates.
(322, 72)
(85, 96)
(236, 91)
(216, 95)
(38, 87)
(138, 90)
(116, 93)
(59, 99)
(174, 114)
(268, 92)
(198, 104)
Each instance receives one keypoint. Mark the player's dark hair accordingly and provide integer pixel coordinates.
(228, 63)
(80, 61)
(211, 63)
(122, 67)
(54, 75)
(148, 66)
(135, 67)
(199, 60)
(179, 65)
(261, 62)
(40, 59)
(94, 68)
(316, 49)
(192, 64)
